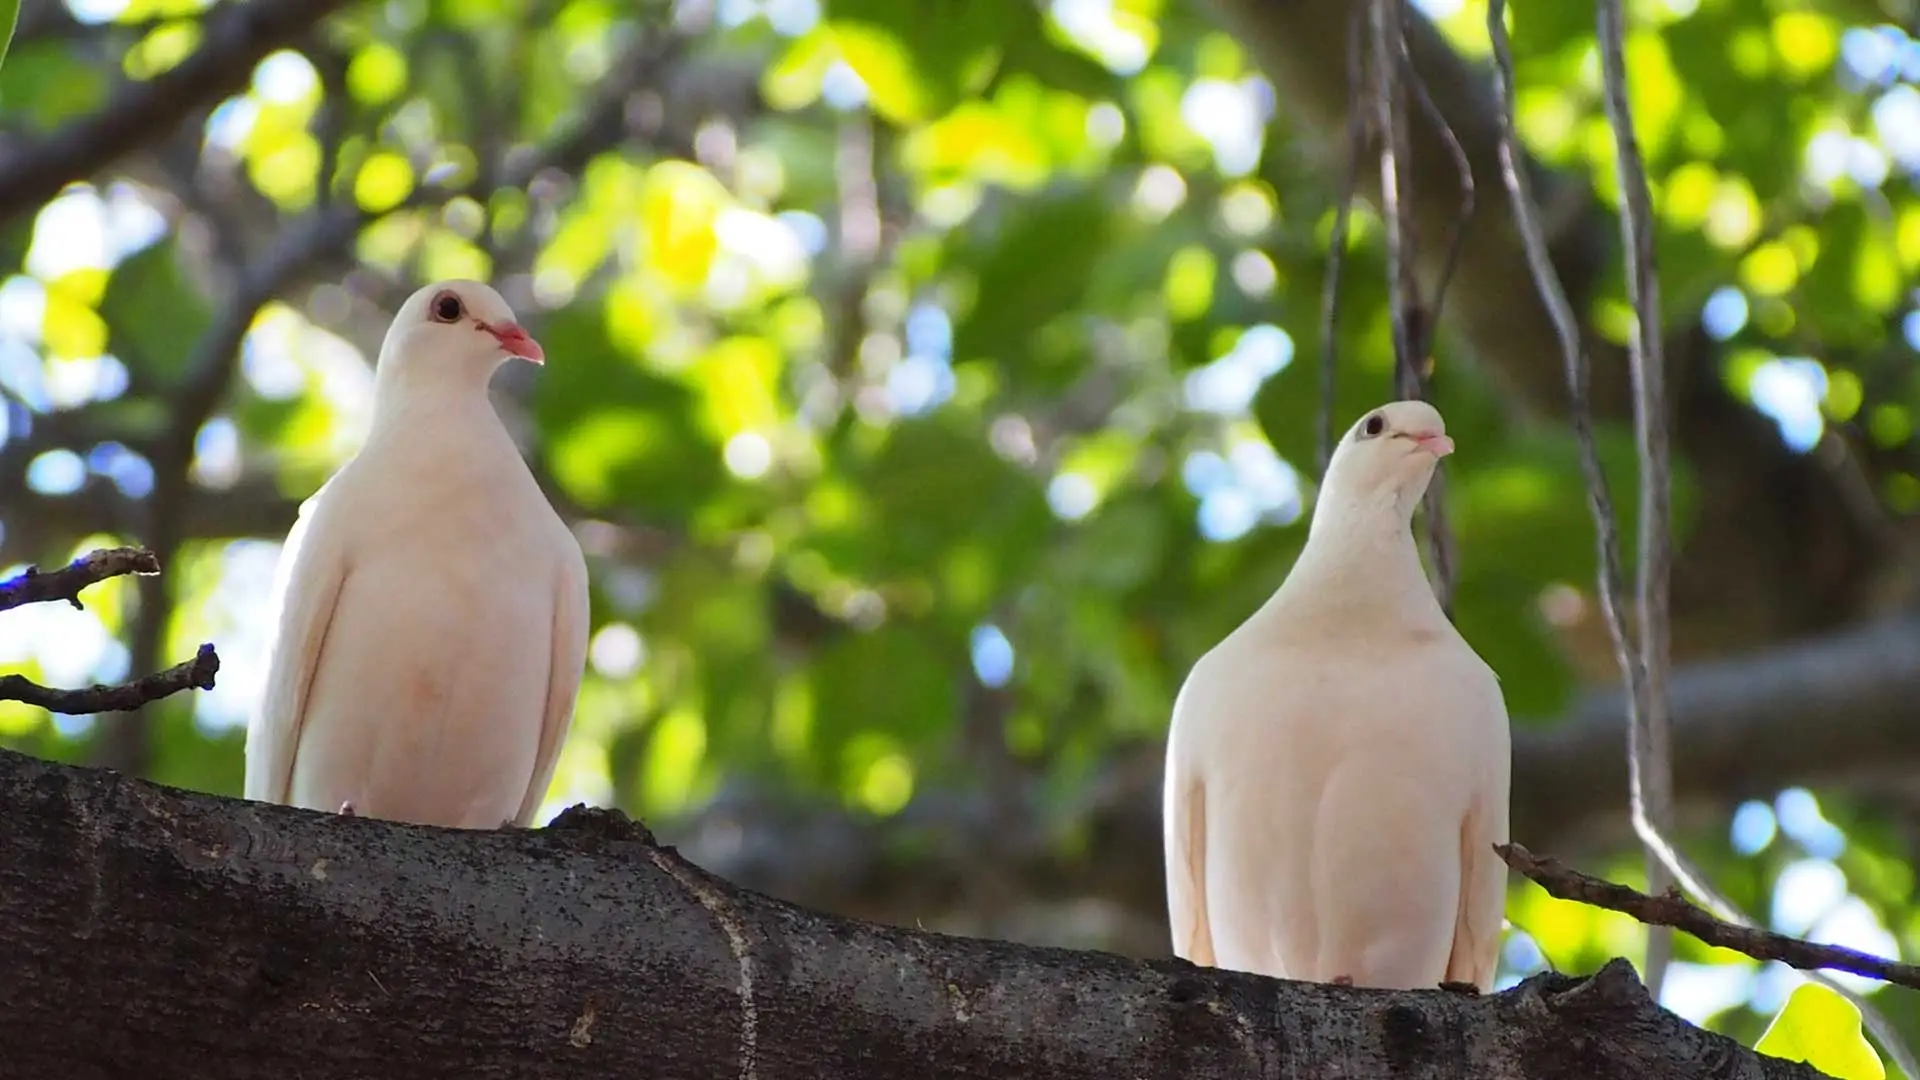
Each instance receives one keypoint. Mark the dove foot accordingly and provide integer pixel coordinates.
(1466, 988)
(346, 809)
(508, 824)
(1343, 980)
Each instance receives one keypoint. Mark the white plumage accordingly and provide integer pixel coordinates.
(1338, 766)
(433, 607)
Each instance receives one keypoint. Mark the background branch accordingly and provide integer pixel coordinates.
(235, 36)
(1650, 779)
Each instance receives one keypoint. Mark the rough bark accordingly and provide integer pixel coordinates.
(149, 931)
(1766, 514)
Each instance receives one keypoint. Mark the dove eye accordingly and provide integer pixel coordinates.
(1373, 425)
(446, 308)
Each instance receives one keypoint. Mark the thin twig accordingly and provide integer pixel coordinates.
(1469, 200)
(1390, 128)
(1526, 215)
(33, 586)
(1408, 315)
(1650, 778)
(126, 697)
(1337, 246)
(1674, 910)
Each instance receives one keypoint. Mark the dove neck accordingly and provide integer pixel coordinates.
(420, 391)
(1360, 560)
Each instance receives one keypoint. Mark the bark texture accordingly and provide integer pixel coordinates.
(154, 932)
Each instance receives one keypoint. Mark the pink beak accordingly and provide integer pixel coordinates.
(1437, 445)
(516, 342)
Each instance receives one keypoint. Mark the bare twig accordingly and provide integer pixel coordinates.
(66, 583)
(1337, 246)
(1674, 910)
(1410, 317)
(1390, 127)
(1469, 201)
(36, 587)
(236, 37)
(126, 697)
(1632, 662)
(1650, 779)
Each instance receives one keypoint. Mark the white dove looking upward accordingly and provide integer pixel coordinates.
(433, 618)
(1338, 766)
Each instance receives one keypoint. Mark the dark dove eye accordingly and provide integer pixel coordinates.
(446, 308)
(1373, 425)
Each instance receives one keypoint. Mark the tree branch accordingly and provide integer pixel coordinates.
(126, 697)
(235, 38)
(1674, 910)
(313, 945)
(66, 583)
(34, 587)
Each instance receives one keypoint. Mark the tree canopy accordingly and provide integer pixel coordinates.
(931, 383)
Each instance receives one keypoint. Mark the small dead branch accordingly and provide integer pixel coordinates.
(1337, 245)
(37, 587)
(1651, 777)
(1413, 319)
(1671, 909)
(66, 583)
(126, 697)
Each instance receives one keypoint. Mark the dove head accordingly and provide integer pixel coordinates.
(1384, 463)
(455, 327)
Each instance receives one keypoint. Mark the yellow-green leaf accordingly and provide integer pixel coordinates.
(1821, 1028)
(385, 180)
(678, 204)
(882, 63)
(9, 15)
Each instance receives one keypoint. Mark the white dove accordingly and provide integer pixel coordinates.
(1338, 767)
(433, 607)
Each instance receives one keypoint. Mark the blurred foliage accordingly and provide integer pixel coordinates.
(946, 381)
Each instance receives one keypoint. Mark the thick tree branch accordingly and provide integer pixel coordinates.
(1674, 910)
(34, 586)
(236, 37)
(313, 945)
(126, 697)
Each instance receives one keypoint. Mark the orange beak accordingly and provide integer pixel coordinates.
(516, 342)
(1437, 445)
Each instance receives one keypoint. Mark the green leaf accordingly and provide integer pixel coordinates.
(936, 486)
(46, 84)
(154, 314)
(9, 17)
(616, 434)
(892, 680)
(1821, 1028)
(1066, 235)
(918, 59)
